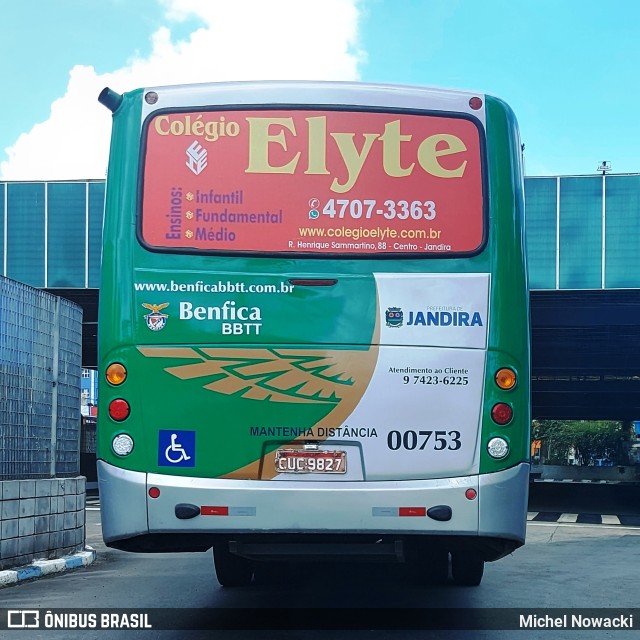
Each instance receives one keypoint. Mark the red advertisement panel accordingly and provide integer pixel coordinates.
(298, 181)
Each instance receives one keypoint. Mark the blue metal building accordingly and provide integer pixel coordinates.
(583, 243)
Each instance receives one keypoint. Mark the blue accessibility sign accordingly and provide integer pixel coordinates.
(177, 449)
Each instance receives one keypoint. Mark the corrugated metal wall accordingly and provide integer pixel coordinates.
(40, 367)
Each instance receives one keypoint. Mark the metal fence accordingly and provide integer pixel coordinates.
(40, 367)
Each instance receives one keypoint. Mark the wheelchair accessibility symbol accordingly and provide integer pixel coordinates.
(177, 449)
(174, 452)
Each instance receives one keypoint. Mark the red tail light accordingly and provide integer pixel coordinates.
(502, 413)
(119, 409)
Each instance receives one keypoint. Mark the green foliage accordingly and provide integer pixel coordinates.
(585, 441)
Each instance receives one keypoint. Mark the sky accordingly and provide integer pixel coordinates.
(568, 68)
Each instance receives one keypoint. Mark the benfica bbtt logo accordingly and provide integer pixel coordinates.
(155, 319)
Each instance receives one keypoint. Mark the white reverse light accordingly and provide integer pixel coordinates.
(498, 447)
(122, 444)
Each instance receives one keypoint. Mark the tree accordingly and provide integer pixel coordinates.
(585, 441)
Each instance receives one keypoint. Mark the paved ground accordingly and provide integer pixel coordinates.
(584, 518)
(550, 503)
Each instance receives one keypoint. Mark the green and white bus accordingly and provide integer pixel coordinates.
(313, 335)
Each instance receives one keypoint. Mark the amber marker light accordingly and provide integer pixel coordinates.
(506, 378)
(116, 374)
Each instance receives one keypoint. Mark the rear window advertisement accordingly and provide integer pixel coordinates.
(309, 181)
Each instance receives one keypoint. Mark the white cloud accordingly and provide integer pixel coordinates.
(240, 40)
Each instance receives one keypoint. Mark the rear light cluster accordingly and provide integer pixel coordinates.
(502, 413)
(122, 444)
(119, 409)
(116, 374)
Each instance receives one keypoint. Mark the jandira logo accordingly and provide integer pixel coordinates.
(394, 317)
(445, 318)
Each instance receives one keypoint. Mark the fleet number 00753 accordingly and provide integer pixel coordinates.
(421, 440)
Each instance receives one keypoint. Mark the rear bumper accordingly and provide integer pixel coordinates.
(240, 507)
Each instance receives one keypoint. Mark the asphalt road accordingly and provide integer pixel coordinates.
(568, 566)
(585, 497)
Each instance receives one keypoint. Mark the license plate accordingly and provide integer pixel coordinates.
(301, 461)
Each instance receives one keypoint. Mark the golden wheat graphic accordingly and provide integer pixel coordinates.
(265, 374)
(336, 378)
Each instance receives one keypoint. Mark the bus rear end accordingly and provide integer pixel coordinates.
(317, 344)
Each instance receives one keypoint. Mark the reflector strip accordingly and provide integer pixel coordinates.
(413, 511)
(385, 511)
(227, 511)
(242, 511)
(396, 512)
(214, 511)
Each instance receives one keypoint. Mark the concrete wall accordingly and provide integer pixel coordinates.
(576, 472)
(41, 519)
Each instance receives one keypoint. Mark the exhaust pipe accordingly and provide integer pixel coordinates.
(110, 99)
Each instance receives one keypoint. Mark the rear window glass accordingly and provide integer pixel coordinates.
(292, 181)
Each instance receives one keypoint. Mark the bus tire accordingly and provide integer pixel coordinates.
(231, 570)
(429, 568)
(271, 572)
(467, 568)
